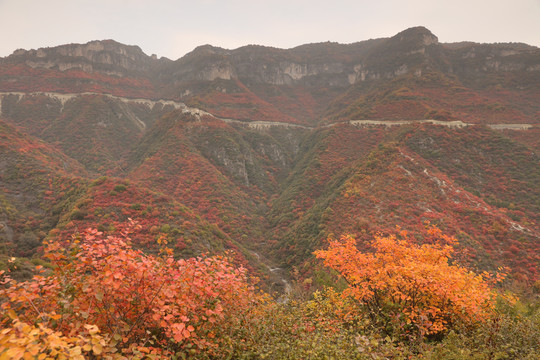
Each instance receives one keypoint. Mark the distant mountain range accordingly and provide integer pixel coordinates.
(268, 152)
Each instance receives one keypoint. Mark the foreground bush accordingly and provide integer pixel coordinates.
(513, 333)
(142, 304)
(410, 289)
(104, 300)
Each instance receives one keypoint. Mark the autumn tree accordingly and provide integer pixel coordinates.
(410, 288)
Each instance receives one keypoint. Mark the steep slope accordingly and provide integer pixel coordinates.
(36, 181)
(326, 81)
(97, 130)
(323, 154)
(47, 195)
(486, 83)
(265, 154)
(280, 83)
(434, 95)
(97, 66)
(108, 203)
(226, 174)
(502, 172)
(530, 138)
(410, 178)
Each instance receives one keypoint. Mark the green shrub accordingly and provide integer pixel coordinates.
(120, 188)
(78, 214)
(513, 334)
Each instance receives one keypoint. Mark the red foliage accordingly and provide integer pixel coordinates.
(134, 298)
(30, 79)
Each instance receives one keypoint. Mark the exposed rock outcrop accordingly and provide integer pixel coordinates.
(107, 56)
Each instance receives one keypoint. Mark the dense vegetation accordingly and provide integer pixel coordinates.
(99, 298)
(306, 187)
(269, 225)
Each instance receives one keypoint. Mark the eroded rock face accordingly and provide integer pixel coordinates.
(288, 72)
(324, 69)
(212, 71)
(429, 39)
(234, 161)
(327, 64)
(106, 56)
(471, 60)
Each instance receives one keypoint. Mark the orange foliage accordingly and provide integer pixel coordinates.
(411, 287)
(25, 341)
(136, 300)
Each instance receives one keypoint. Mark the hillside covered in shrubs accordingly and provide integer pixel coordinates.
(376, 200)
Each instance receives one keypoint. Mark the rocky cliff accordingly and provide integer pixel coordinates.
(299, 85)
(107, 56)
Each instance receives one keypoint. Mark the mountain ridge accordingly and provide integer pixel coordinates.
(270, 151)
(297, 85)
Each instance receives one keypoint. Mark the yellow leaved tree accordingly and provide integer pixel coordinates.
(410, 288)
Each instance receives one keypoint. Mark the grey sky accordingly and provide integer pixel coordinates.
(173, 28)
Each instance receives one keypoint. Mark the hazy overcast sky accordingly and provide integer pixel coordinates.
(173, 28)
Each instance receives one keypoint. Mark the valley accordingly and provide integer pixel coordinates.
(235, 165)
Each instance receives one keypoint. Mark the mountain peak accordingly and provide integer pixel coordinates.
(83, 50)
(207, 50)
(418, 34)
(98, 55)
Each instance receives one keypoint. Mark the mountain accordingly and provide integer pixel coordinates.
(410, 176)
(38, 181)
(305, 84)
(268, 152)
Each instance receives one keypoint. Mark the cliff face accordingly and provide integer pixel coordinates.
(302, 85)
(324, 64)
(410, 51)
(108, 56)
(329, 63)
(474, 62)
